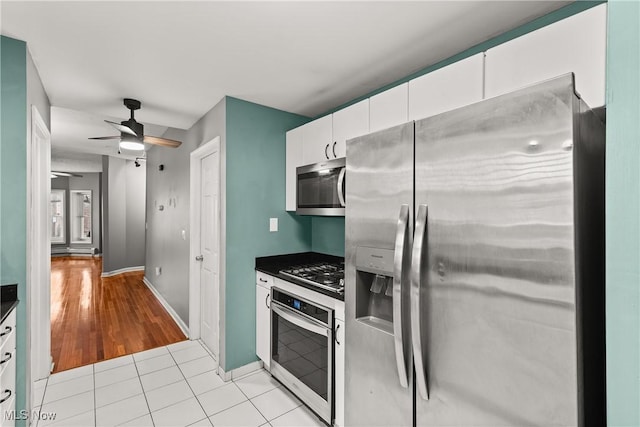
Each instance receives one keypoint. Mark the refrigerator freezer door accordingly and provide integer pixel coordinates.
(402, 239)
(417, 311)
(380, 181)
(498, 299)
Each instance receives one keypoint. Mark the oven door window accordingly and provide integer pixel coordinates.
(319, 189)
(301, 352)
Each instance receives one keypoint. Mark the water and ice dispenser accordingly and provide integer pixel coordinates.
(374, 287)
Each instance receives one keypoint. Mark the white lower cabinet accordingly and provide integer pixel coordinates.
(8, 370)
(263, 318)
(339, 374)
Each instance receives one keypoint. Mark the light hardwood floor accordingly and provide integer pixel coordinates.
(95, 319)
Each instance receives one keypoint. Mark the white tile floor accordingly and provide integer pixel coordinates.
(174, 385)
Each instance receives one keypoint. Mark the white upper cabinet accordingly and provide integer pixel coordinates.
(576, 44)
(389, 108)
(317, 140)
(293, 160)
(348, 123)
(447, 88)
(322, 139)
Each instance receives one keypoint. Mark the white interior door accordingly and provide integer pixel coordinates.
(209, 249)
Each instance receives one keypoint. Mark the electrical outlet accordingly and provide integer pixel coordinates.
(273, 224)
(158, 271)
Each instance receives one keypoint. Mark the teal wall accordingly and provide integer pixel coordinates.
(327, 235)
(13, 188)
(623, 213)
(255, 192)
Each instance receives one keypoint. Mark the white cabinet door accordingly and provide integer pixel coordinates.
(339, 367)
(293, 160)
(317, 140)
(348, 123)
(263, 324)
(8, 369)
(389, 108)
(447, 88)
(576, 44)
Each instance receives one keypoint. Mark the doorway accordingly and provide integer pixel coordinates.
(204, 280)
(38, 244)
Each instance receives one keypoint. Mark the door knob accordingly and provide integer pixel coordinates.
(199, 258)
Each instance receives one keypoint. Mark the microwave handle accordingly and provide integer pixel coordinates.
(340, 186)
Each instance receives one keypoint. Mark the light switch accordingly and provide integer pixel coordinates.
(273, 224)
(158, 271)
(183, 233)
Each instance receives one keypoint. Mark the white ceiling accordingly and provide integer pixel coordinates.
(180, 58)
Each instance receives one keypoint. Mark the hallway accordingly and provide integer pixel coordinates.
(95, 319)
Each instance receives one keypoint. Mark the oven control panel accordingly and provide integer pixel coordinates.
(301, 305)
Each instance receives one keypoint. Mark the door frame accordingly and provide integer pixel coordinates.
(38, 252)
(194, 241)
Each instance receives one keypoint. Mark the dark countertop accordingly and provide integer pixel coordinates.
(8, 299)
(272, 265)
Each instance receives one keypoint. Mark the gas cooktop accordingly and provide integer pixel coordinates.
(328, 276)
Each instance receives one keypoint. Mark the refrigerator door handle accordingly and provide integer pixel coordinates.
(398, 258)
(416, 288)
(340, 185)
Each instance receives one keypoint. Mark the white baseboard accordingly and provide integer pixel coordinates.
(240, 372)
(61, 254)
(122, 270)
(165, 304)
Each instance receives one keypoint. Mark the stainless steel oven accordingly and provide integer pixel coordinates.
(302, 352)
(321, 188)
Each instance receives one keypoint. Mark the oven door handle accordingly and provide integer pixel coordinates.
(298, 320)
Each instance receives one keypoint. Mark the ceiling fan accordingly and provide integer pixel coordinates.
(132, 135)
(56, 174)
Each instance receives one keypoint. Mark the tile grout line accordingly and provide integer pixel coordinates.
(66, 397)
(114, 367)
(190, 388)
(250, 401)
(144, 394)
(263, 393)
(95, 403)
(44, 392)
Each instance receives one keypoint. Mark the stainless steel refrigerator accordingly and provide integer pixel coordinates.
(475, 266)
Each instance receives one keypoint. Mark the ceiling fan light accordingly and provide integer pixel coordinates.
(130, 142)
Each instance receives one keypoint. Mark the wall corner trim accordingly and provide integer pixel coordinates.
(165, 304)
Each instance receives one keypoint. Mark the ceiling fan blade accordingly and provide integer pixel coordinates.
(66, 174)
(162, 141)
(106, 137)
(122, 128)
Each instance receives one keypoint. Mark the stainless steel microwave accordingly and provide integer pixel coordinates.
(320, 188)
